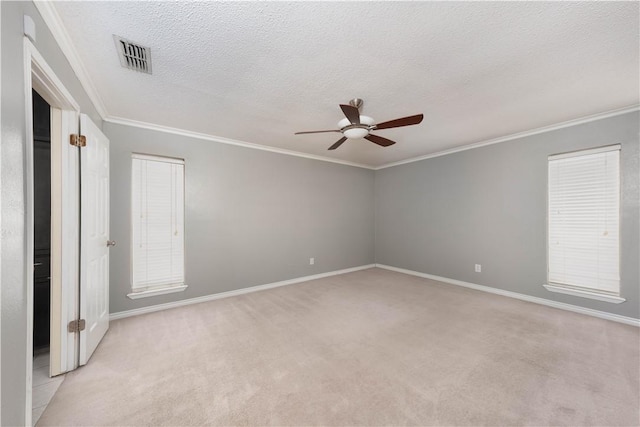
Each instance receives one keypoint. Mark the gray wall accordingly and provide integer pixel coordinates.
(255, 217)
(252, 217)
(13, 310)
(488, 206)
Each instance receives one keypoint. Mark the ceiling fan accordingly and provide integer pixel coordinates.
(356, 126)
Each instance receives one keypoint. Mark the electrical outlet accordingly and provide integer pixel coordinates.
(478, 268)
(312, 261)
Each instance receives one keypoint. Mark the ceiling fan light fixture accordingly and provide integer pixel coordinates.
(366, 120)
(356, 133)
(343, 123)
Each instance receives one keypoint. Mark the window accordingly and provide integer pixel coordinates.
(584, 223)
(157, 222)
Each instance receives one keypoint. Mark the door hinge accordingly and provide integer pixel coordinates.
(78, 140)
(76, 326)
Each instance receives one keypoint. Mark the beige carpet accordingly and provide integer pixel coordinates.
(368, 348)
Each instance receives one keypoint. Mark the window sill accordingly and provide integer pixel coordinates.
(585, 294)
(155, 292)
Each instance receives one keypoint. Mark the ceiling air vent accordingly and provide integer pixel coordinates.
(132, 55)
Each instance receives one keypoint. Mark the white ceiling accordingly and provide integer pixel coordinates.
(260, 71)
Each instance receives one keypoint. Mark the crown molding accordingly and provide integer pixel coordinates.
(515, 136)
(536, 131)
(54, 22)
(222, 140)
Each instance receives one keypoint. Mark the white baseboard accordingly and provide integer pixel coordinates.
(563, 306)
(174, 304)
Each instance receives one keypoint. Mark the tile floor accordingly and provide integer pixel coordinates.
(43, 387)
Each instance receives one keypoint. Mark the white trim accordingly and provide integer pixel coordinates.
(542, 301)
(561, 125)
(154, 158)
(587, 152)
(197, 300)
(70, 238)
(207, 137)
(46, 82)
(155, 292)
(0, 210)
(222, 140)
(56, 330)
(40, 76)
(584, 294)
(29, 224)
(52, 19)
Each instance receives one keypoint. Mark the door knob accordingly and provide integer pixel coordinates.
(111, 243)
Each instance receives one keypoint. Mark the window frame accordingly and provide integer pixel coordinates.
(575, 290)
(150, 291)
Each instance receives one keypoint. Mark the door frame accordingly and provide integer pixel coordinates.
(65, 114)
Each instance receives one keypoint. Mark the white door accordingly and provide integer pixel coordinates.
(65, 235)
(94, 237)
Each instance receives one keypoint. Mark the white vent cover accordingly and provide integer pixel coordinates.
(133, 55)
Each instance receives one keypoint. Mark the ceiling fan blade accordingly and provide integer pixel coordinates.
(315, 131)
(338, 144)
(404, 121)
(351, 113)
(379, 140)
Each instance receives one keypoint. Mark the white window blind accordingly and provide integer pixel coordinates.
(584, 220)
(157, 214)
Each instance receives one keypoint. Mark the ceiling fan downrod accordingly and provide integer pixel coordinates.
(356, 102)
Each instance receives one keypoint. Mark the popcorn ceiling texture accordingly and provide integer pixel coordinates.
(259, 71)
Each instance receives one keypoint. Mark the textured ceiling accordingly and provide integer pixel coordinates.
(259, 71)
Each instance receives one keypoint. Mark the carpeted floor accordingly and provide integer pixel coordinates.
(368, 348)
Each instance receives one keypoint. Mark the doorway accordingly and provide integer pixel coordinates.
(44, 384)
(78, 264)
(41, 224)
(52, 231)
